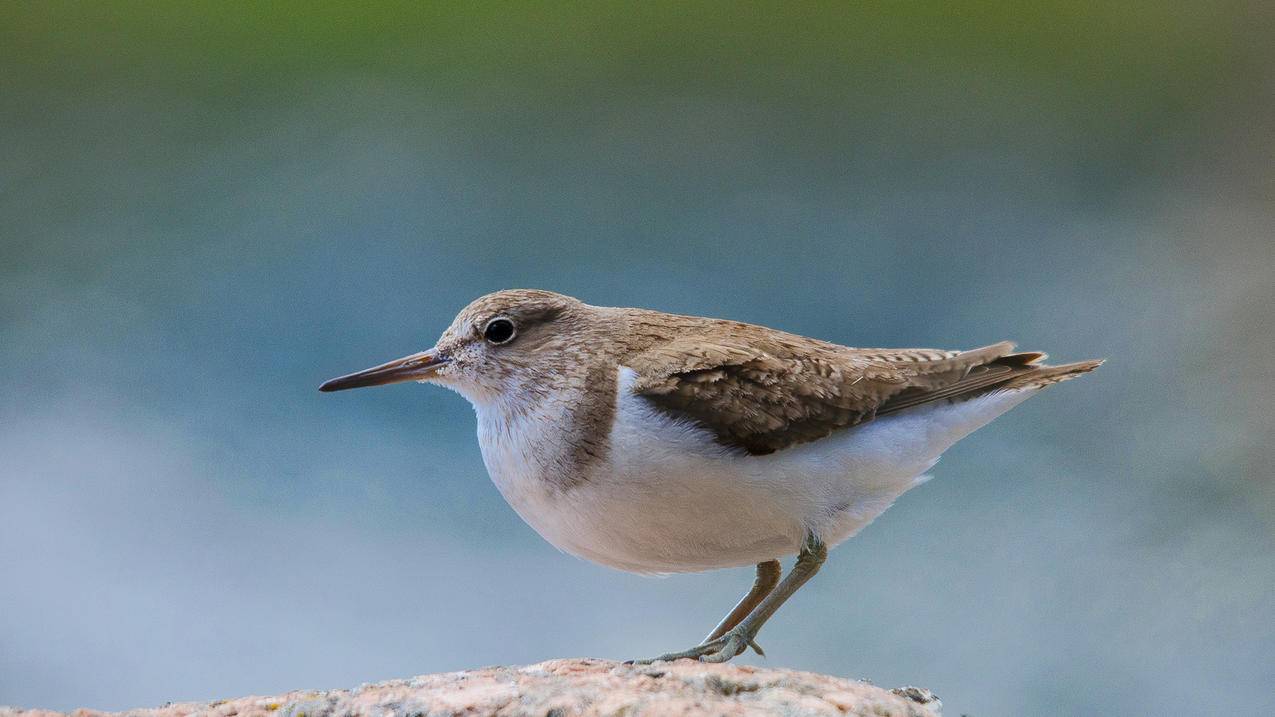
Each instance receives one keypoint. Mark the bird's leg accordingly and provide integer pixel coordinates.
(737, 639)
(768, 574)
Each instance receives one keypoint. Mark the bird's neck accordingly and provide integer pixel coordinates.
(556, 431)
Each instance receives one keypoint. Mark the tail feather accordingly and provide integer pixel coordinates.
(1041, 376)
(1003, 372)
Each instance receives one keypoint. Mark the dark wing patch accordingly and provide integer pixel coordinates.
(761, 405)
(764, 396)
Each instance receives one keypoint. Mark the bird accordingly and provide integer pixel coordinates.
(659, 443)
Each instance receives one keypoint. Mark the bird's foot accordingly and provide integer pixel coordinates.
(722, 649)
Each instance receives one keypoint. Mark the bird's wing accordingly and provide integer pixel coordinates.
(764, 395)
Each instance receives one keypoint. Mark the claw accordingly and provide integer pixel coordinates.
(695, 653)
(723, 649)
(736, 643)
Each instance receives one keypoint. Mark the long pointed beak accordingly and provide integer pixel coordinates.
(416, 367)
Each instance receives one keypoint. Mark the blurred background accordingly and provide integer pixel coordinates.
(208, 209)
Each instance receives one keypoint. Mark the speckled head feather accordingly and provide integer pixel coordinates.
(544, 347)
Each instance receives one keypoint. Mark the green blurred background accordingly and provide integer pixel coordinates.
(206, 209)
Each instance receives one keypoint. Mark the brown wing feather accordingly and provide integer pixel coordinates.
(766, 395)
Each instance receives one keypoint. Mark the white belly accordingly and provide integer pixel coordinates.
(668, 498)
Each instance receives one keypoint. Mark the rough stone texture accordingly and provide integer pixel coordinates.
(561, 688)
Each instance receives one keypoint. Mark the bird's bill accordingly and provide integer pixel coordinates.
(417, 367)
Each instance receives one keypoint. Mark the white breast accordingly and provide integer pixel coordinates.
(668, 498)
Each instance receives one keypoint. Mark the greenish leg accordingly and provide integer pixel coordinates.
(736, 639)
(768, 574)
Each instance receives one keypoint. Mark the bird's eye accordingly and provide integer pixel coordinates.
(499, 331)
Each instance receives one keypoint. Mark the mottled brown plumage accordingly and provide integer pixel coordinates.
(764, 390)
(755, 388)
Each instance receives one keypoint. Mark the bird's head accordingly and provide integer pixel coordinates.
(507, 343)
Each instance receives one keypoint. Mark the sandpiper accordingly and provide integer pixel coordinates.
(658, 443)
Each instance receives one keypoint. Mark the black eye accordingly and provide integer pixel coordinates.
(499, 331)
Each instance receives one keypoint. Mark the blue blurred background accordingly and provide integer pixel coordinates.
(207, 209)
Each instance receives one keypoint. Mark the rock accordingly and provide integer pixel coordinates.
(564, 688)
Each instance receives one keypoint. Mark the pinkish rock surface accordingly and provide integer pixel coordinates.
(564, 688)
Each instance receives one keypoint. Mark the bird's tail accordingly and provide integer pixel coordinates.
(1039, 375)
(990, 369)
